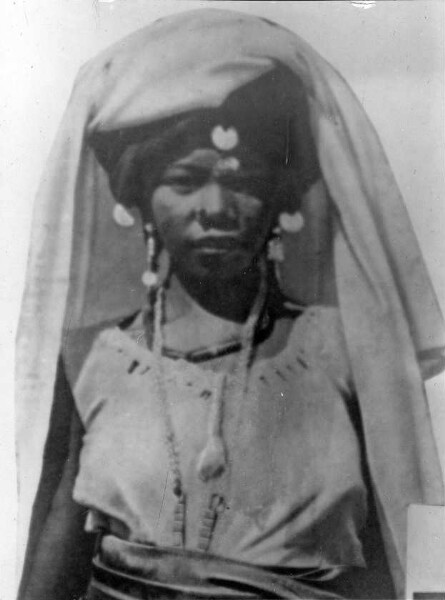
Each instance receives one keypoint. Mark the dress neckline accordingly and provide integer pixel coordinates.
(134, 328)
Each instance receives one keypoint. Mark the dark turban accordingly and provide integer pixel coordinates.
(270, 115)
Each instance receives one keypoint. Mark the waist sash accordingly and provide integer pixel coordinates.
(129, 571)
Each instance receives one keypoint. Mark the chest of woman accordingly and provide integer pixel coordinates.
(292, 457)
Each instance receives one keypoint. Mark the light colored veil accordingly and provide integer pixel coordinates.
(357, 248)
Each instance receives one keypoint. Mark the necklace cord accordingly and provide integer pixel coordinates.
(212, 460)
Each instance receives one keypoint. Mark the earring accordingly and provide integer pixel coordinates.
(275, 250)
(150, 277)
(291, 223)
(287, 223)
(164, 266)
(121, 216)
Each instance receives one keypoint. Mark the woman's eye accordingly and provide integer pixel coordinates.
(183, 182)
(252, 185)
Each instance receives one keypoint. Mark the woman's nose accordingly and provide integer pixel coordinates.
(217, 210)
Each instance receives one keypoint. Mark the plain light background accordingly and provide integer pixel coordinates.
(392, 55)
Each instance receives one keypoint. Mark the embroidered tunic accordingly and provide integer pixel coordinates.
(294, 491)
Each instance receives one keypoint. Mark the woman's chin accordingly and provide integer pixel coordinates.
(215, 265)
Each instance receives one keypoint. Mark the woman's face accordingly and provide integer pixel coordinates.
(212, 213)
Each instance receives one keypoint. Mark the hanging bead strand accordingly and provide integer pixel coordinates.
(208, 521)
(179, 518)
(243, 365)
(217, 502)
(149, 276)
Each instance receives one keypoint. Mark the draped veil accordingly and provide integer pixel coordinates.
(357, 249)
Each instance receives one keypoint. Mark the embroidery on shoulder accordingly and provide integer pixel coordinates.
(139, 358)
(318, 339)
(331, 347)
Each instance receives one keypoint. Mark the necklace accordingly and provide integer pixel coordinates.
(212, 459)
(262, 331)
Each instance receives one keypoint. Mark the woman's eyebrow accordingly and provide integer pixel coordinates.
(189, 168)
(185, 165)
(194, 168)
(254, 172)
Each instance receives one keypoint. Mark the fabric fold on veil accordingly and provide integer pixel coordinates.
(358, 248)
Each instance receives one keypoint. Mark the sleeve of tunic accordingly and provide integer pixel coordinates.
(59, 551)
(323, 340)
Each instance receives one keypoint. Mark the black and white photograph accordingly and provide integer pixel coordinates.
(227, 289)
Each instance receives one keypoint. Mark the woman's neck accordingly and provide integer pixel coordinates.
(205, 315)
(230, 300)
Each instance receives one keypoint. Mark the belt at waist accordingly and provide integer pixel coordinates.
(128, 570)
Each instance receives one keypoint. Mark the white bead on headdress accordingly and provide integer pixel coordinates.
(224, 139)
(229, 163)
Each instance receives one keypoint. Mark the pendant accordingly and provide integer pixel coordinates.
(212, 461)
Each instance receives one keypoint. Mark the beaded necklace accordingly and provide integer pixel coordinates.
(212, 460)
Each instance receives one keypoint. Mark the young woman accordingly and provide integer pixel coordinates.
(253, 424)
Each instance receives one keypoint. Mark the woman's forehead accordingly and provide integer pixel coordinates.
(210, 158)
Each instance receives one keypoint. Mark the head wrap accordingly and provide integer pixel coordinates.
(357, 248)
(269, 114)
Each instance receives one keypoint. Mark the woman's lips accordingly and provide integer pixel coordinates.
(221, 243)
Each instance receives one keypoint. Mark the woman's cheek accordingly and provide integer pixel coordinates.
(170, 222)
(258, 223)
(171, 232)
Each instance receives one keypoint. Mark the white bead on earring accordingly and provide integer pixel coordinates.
(275, 250)
(287, 223)
(150, 277)
(121, 216)
(291, 223)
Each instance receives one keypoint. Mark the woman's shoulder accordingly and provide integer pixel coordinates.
(95, 347)
(316, 337)
(311, 323)
(318, 322)
(125, 339)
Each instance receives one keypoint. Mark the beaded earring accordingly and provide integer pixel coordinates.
(275, 250)
(150, 276)
(287, 223)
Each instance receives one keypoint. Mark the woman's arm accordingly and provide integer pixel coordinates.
(59, 551)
